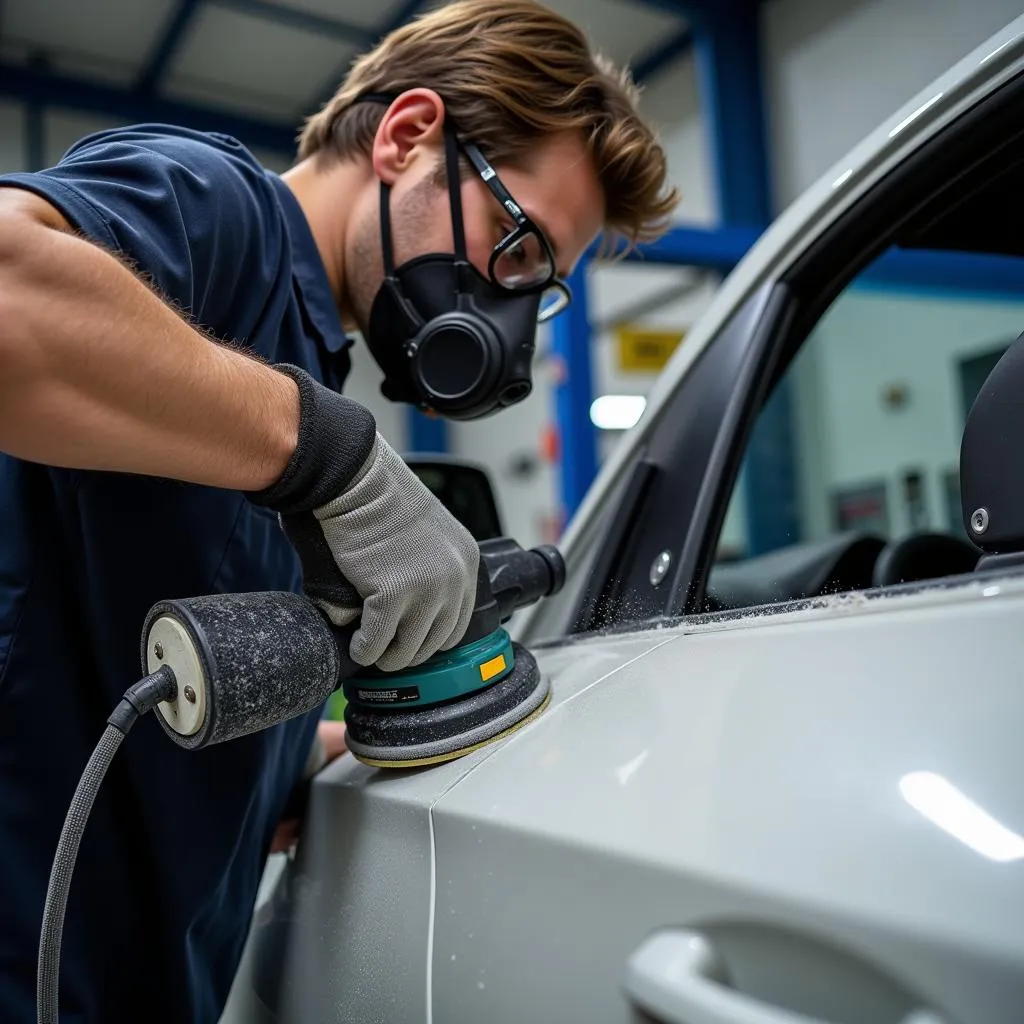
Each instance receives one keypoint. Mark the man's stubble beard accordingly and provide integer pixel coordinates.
(410, 225)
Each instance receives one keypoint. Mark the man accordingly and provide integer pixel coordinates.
(172, 337)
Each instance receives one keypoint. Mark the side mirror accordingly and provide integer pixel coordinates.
(991, 474)
(464, 489)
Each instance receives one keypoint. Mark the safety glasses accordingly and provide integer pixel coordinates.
(522, 260)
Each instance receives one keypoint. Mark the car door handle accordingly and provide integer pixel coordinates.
(678, 977)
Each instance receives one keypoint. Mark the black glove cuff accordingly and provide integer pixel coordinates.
(336, 436)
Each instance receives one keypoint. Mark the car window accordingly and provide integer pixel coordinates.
(850, 476)
(813, 445)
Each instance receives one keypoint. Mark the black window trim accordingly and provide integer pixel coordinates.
(666, 480)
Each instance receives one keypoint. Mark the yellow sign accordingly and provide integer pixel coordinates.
(644, 349)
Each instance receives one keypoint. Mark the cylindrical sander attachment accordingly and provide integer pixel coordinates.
(243, 662)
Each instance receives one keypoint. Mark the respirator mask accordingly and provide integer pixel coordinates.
(447, 338)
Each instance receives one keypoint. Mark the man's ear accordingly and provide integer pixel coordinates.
(411, 128)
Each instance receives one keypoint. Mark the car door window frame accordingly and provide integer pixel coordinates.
(834, 260)
(694, 453)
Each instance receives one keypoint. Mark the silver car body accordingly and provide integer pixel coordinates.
(826, 796)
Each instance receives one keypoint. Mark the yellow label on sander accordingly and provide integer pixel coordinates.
(489, 669)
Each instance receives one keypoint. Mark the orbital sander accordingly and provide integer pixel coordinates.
(247, 661)
(227, 665)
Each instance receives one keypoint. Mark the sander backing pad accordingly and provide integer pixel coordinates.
(409, 739)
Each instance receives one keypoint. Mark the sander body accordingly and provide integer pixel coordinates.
(244, 662)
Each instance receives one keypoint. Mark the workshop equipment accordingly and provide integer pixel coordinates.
(226, 665)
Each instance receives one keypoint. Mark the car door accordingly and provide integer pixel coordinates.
(803, 802)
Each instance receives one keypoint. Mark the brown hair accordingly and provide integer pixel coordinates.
(510, 72)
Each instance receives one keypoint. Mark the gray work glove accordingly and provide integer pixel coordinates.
(374, 542)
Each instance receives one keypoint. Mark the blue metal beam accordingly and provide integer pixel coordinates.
(728, 55)
(331, 28)
(47, 89)
(425, 433)
(406, 10)
(727, 45)
(166, 46)
(716, 248)
(912, 269)
(659, 57)
(946, 273)
(574, 393)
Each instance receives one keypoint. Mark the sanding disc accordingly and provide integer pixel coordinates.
(409, 739)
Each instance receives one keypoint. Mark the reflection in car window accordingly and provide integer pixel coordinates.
(878, 396)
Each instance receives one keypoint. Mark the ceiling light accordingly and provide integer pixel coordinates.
(617, 412)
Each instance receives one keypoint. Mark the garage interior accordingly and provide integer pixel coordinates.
(756, 101)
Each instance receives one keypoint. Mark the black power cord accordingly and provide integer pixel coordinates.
(140, 698)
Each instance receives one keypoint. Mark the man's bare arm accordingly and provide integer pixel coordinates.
(96, 372)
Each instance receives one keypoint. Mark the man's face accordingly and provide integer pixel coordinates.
(559, 192)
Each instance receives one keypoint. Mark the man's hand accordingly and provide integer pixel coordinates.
(375, 543)
(331, 745)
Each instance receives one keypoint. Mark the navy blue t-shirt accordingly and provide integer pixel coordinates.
(169, 866)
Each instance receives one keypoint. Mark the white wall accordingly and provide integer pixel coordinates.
(871, 340)
(836, 68)
(847, 435)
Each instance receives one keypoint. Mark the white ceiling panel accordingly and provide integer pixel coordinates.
(252, 56)
(368, 14)
(120, 30)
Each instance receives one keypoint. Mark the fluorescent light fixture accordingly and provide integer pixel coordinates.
(944, 805)
(617, 412)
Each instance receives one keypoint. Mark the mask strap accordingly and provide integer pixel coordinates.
(385, 230)
(451, 153)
